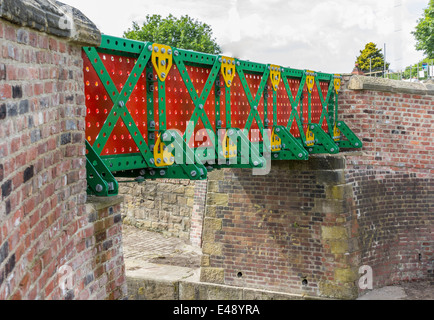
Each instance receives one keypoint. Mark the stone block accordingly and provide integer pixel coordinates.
(212, 275)
(212, 248)
(217, 199)
(346, 275)
(334, 233)
(204, 291)
(212, 224)
(339, 246)
(339, 192)
(338, 291)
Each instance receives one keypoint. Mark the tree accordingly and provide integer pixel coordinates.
(371, 58)
(424, 32)
(182, 33)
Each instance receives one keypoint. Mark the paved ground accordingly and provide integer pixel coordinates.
(153, 255)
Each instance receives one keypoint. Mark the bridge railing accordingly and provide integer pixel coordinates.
(155, 111)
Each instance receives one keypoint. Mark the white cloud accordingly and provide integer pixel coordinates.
(324, 35)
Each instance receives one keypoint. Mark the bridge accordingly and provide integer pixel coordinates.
(155, 112)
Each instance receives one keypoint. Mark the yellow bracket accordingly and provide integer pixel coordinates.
(276, 142)
(310, 138)
(337, 82)
(228, 70)
(336, 134)
(229, 147)
(275, 76)
(162, 60)
(162, 157)
(310, 80)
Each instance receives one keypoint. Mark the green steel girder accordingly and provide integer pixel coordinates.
(194, 163)
(100, 181)
(353, 141)
(292, 149)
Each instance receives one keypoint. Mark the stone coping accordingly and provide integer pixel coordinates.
(358, 82)
(52, 17)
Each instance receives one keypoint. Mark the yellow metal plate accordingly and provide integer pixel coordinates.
(310, 80)
(310, 138)
(228, 70)
(162, 60)
(276, 142)
(162, 157)
(275, 76)
(337, 83)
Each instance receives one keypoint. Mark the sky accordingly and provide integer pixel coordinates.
(321, 35)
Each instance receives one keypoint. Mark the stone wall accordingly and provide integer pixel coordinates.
(162, 206)
(52, 244)
(172, 207)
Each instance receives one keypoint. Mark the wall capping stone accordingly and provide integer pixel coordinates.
(358, 82)
(52, 17)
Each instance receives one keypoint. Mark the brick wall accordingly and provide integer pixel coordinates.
(308, 227)
(52, 244)
(393, 186)
(289, 231)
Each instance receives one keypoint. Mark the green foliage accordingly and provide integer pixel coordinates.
(371, 54)
(182, 33)
(411, 72)
(424, 32)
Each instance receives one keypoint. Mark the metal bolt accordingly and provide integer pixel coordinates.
(163, 62)
(165, 136)
(220, 59)
(98, 188)
(201, 106)
(219, 123)
(284, 146)
(176, 53)
(121, 104)
(339, 124)
(332, 149)
(193, 173)
(152, 161)
(162, 173)
(229, 71)
(163, 75)
(312, 127)
(172, 159)
(156, 49)
(163, 50)
(238, 63)
(158, 161)
(277, 129)
(300, 155)
(357, 144)
(229, 82)
(224, 60)
(142, 172)
(276, 156)
(231, 132)
(152, 124)
(152, 173)
(233, 62)
(255, 107)
(276, 86)
(169, 52)
(310, 150)
(256, 163)
(150, 48)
